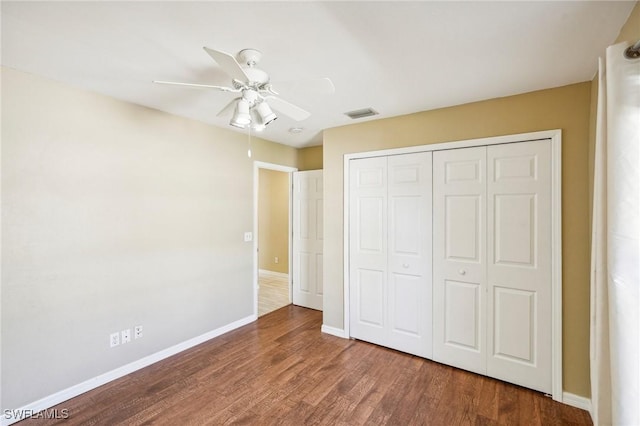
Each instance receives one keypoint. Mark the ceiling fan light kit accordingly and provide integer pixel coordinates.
(252, 109)
(241, 117)
(256, 122)
(265, 112)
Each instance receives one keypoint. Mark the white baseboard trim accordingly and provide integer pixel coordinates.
(272, 273)
(576, 401)
(12, 416)
(338, 332)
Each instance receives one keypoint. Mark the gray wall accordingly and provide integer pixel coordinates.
(115, 215)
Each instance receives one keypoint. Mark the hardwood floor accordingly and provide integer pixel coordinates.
(273, 292)
(283, 370)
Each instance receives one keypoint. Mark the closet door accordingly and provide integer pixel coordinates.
(409, 253)
(368, 249)
(459, 258)
(519, 263)
(390, 252)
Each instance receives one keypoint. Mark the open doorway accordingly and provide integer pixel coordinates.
(272, 217)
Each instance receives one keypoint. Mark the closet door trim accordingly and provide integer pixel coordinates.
(555, 137)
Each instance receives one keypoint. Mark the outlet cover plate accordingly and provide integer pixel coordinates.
(114, 339)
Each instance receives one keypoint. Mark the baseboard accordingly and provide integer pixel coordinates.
(338, 332)
(576, 401)
(11, 416)
(274, 274)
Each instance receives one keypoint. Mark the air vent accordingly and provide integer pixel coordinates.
(361, 113)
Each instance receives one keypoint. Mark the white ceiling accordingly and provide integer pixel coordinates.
(396, 57)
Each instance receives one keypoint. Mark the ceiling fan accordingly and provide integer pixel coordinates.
(252, 109)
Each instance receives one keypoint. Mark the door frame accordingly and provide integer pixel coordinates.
(555, 137)
(257, 165)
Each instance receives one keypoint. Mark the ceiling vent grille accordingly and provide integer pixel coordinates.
(361, 113)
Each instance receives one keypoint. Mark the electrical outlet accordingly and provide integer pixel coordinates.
(114, 339)
(137, 332)
(248, 236)
(125, 336)
(276, 260)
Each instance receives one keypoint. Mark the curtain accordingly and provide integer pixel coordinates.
(615, 255)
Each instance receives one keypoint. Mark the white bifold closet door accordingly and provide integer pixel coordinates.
(390, 252)
(460, 257)
(519, 263)
(492, 261)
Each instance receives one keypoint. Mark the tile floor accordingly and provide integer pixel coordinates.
(273, 293)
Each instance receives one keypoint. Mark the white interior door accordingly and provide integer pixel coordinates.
(496, 282)
(492, 261)
(519, 263)
(459, 263)
(307, 239)
(390, 252)
(368, 249)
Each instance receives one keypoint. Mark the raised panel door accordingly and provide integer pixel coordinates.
(390, 251)
(459, 258)
(307, 239)
(409, 253)
(519, 263)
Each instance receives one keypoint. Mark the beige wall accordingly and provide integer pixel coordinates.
(630, 31)
(115, 215)
(310, 158)
(273, 220)
(565, 108)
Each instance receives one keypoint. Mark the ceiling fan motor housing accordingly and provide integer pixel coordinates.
(249, 57)
(256, 76)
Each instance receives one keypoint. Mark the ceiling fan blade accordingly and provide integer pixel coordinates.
(201, 86)
(287, 108)
(228, 108)
(312, 86)
(228, 63)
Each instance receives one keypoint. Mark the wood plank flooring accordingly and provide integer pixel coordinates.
(283, 370)
(273, 292)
